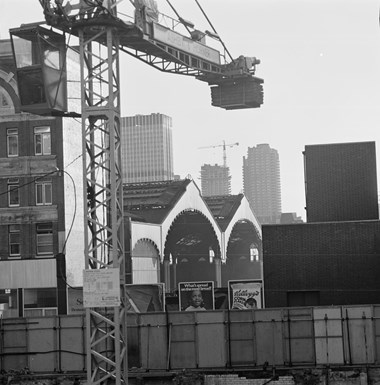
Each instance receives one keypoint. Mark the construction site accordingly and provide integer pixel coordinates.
(106, 342)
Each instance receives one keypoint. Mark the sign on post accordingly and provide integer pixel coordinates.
(101, 288)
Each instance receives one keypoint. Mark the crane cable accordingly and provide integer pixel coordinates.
(214, 30)
(208, 20)
(179, 17)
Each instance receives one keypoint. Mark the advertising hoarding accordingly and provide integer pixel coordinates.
(245, 294)
(196, 296)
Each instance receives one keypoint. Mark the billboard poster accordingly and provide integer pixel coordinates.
(245, 294)
(196, 296)
(145, 298)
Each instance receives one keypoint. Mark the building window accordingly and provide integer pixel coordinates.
(13, 192)
(40, 302)
(8, 303)
(44, 192)
(42, 141)
(12, 142)
(14, 240)
(44, 238)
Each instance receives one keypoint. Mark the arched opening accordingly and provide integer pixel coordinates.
(145, 262)
(244, 251)
(191, 249)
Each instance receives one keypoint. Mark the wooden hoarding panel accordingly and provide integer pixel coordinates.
(211, 337)
(376, 320)
(269, 336)
(14, 343)
(328, 335)
(240, 336)
(182, 340)
(299, 336)
(358, 335)
(42, 339)
(153, 341)
(72, 352)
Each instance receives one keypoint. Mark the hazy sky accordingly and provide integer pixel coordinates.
(320, 61)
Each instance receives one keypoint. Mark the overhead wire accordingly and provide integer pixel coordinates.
(75, 209)
(30, 182)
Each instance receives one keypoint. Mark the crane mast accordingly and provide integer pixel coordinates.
(104, 237)
(102, 35)
(95, 24)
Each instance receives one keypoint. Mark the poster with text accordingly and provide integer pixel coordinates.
(196, 296)
(245, 294)
(145, 298)
(75, 300)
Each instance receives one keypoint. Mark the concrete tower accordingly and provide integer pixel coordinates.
(215, 180)
(261, 179)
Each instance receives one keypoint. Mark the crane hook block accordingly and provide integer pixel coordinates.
(238, 93)
(40, 59)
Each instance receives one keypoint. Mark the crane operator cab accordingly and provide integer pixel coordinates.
(39, 55)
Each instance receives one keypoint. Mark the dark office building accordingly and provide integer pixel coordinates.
(335, 263)
(341, 182)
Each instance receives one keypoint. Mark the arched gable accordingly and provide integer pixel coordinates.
(142, 230)
(145, 241)
(199, 228)
(145, 261)
(191, 200)
(244, 212)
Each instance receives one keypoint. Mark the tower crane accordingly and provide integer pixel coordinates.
(41, 79)
(224, 145)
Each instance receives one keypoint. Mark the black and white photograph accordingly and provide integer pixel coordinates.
(189, 192)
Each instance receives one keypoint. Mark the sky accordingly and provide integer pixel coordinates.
(320, 62)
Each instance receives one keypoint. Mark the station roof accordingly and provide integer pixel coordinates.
(223, 208)
(151, 202)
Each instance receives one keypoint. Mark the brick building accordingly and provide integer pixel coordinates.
(38, 204)
(334, 259)
(341, 182)
(335, 263)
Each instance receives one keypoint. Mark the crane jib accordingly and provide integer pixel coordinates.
(167, 36)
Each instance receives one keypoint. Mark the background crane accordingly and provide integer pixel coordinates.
(224, 145)
(102, 35)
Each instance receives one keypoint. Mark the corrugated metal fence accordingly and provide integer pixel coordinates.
(348, 335)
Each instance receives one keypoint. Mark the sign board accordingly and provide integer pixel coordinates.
(196, 296)
(245, 294)
(75, 300)
(176, 40)
(101, 287)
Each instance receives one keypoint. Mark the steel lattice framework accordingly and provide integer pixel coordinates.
(104, 238)
(101, 35)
